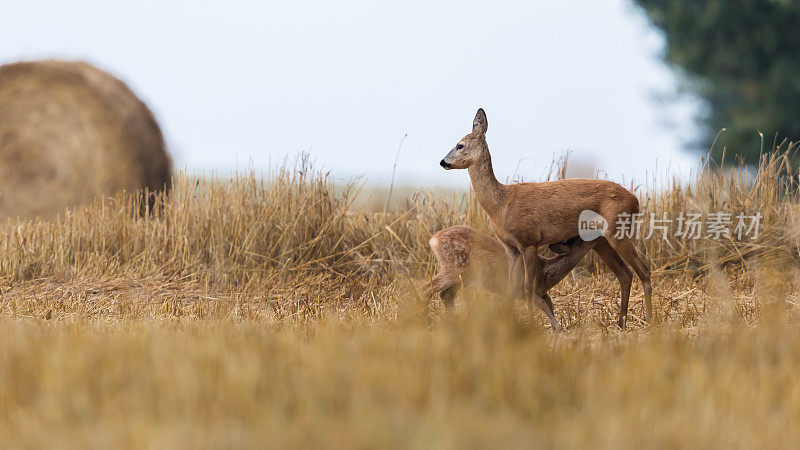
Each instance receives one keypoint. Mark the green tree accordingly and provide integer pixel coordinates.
(742, 57)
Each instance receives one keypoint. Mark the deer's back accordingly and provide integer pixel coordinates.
(548, 212)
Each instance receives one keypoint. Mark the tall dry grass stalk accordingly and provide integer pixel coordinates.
(273, 311)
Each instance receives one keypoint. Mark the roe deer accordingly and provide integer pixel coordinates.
(527, 215)
(466, 256)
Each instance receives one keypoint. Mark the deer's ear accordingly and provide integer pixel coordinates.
(480, 124)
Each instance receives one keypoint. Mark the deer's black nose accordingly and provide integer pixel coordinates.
(444, 164)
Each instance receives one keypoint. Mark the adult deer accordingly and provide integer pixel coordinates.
(468, 257)
(527, 215)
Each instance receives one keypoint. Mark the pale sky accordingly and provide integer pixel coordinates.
(241, 84)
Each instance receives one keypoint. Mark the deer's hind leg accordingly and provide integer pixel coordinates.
(623, 274)
(440, 283)
(627, 252)
(549, 302)
(448, 295)
(545, 304)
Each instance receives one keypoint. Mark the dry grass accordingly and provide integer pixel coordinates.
(252, 312)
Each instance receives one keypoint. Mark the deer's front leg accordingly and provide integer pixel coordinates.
(529, 266)
(534, 287)
(514, 272)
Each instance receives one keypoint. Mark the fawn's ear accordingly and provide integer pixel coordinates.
(480, 124)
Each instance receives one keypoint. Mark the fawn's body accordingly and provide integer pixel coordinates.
(466, 256)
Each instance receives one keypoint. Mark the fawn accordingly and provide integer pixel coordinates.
(466, 256)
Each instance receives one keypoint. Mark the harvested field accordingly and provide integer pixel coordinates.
(271, 311)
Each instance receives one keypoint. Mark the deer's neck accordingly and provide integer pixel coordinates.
(488, 190)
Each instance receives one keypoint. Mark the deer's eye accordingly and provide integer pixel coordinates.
(459, 146)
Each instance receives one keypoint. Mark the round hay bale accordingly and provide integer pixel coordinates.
(70, 132)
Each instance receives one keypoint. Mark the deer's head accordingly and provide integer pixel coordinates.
(469, 148)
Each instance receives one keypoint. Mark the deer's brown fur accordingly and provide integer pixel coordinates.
(466, 256)
(527, 215)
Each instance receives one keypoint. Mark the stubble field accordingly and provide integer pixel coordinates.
(285, 311)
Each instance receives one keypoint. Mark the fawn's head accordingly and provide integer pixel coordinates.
(469, 148)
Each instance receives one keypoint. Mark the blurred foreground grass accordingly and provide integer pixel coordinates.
(483, 380)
